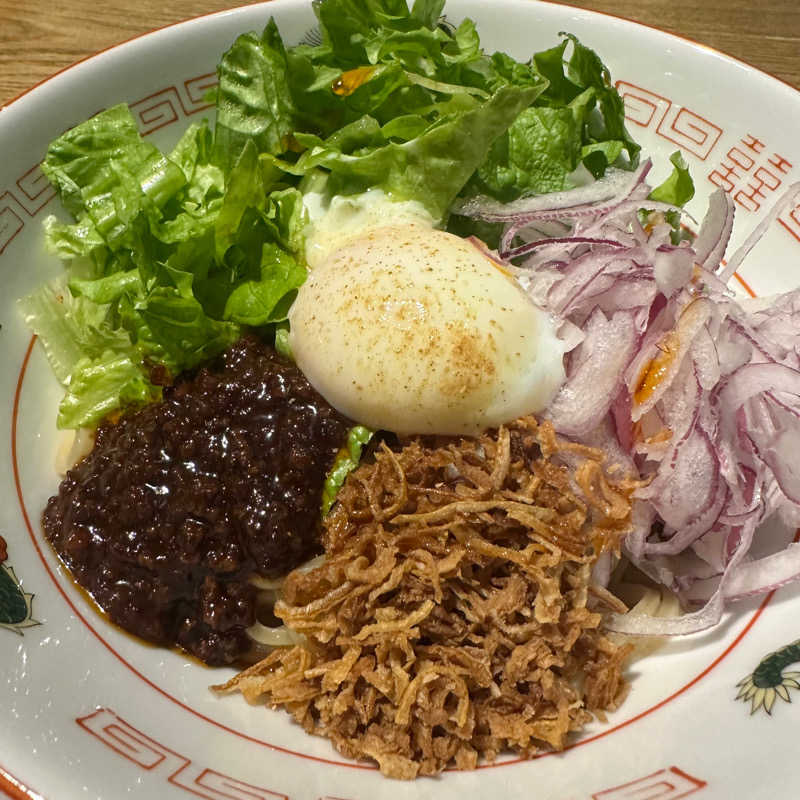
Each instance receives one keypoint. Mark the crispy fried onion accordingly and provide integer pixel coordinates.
(454, 618)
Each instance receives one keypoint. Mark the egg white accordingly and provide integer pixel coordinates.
(414, 330)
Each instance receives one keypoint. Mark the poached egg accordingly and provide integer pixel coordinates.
(410, 329)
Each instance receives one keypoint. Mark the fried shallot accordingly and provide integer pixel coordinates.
(454, 617)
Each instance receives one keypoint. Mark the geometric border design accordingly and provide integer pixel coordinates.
(166, 106)
(11, 223)
(36, 190)
(677, 124)
(157, 759)
(666, 784)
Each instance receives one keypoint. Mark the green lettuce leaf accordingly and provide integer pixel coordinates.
(268, 299)
(379, 58)
(70, 327)
(103, 385)
(282, 340)
(253, 99)
(159, 247)
(678, 188)
(346, 461)
(539, 152)
(427, 12)
(194, 155)
(244, 190)
(104, 171)
(431, 168)
(349, 27)
(605, 119)
(578, 119)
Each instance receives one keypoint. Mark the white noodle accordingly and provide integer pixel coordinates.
(273, 637)
(270, 590)
(72, 447)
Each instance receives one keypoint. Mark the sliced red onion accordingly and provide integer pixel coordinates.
(734, 347)
(626, 292)
(715, 232)
(575, 279)
(775, 322)
(695, 622)
(603, 436)
(569, 334)
(672, 269)
(662, 361)
(780, 449)
(712, 548)
(705, 359)
(615, 184)
(601, 571)
(765, 574)
(687, 493)
(621, 415)
(526, 249)
(680, 405)
(584, 400)
(787, 200)
(634, 205)
(696, 393)
(749, 380)
(584, 203)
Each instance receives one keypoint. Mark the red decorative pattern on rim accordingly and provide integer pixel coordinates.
(196, 89)
(166, 106)
(36, 190)
(151, 756)
(666, 784)
(681, 126)
(791, 221)
(10, 222)
(750, 173)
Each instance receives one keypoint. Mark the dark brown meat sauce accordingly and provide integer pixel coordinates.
(178, 504)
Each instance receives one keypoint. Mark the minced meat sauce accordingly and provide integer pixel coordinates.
(181, 502)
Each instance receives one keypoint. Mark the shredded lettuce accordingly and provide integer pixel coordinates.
(392, 99)
(168, 257)
(254, 103)
(100, 386)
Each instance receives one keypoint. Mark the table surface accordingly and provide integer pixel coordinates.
(39, 37)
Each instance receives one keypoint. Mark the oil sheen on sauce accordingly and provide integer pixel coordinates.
(179, 504)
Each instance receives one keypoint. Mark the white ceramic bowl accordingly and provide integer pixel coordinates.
(89, 712)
